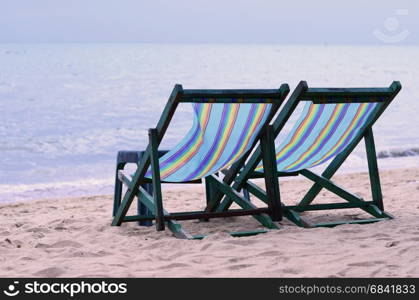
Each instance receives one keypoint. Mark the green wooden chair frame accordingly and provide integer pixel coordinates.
(150, 157)
(239, 174)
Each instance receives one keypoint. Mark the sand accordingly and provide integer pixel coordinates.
(72, 238)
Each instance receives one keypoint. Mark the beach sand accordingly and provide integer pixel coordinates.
(73, 238)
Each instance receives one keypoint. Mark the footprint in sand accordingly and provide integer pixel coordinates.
(270, 253)
(41, 245)
(206, 246)
(174, 265)
(88, 254)
(60, 244)
(239, 267)
(292, 271)
(391, 244)
(366, 263)
(65, 244)
(376, 272)
(99, 275)
(407, 249)
(381, 235)
(60, 228)
(26, 258)
(349, 231)
(235, 259)
(241, 242)
(7, 243)
(218, 236)
(38, 229)
(50, 272)
(342, 273)
(37, 235)
(155, 245)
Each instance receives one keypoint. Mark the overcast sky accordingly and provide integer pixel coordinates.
(210, 21)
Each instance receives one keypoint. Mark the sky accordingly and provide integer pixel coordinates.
(210, 21)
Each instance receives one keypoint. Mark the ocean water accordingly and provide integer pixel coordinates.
(66, 109)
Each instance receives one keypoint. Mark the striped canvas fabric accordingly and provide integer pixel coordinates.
(321, 133)
(220, 135)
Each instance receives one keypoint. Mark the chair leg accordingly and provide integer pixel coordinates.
(377, 196)
(122, 159)
(209, 191)
(142, 210)
(118, 187)
(270, 170)
(209, 194)
(155, 168)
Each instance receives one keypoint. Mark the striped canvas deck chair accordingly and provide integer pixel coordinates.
(227, 125)
(331, 125)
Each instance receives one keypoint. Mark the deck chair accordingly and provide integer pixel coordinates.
(332, 124)
(227, 125)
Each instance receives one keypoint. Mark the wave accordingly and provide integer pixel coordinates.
(413, 151)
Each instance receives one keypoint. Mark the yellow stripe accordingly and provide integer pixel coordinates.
(223, 142)
(194, 148)
(259, 115)
(361, 110)
(299, 132)
(320, 137)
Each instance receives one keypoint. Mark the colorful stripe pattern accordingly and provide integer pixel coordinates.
(321, 133)
(220, 135)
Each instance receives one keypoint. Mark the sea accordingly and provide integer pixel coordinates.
(67, 109)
